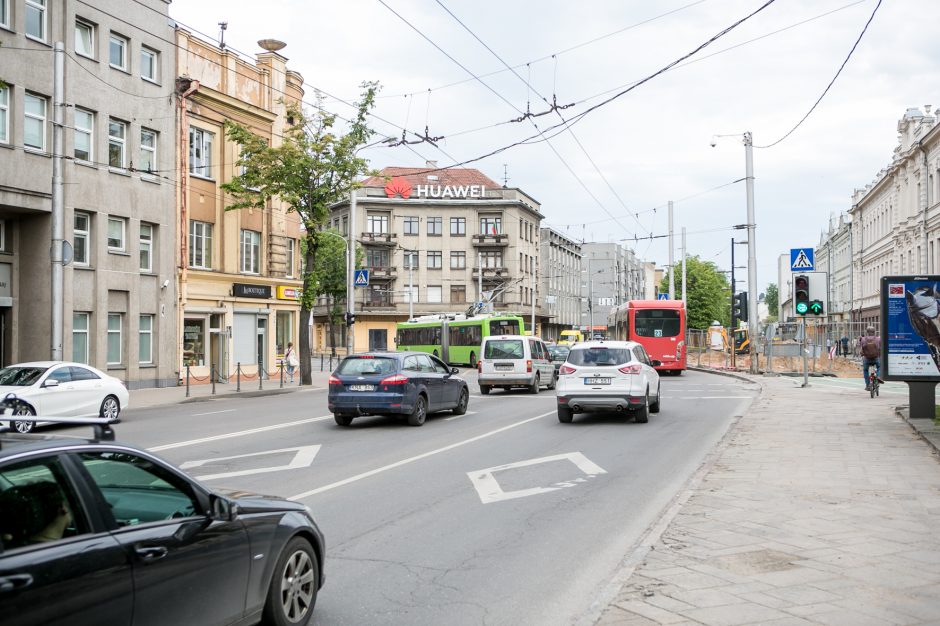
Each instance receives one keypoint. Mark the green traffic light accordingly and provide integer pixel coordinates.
(816, 307)
(802, 308)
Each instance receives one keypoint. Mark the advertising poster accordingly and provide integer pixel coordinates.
(910, 328)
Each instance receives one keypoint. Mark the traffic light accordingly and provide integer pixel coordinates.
(816, 307)
(350, 319)
(801, 294)
(740, 306)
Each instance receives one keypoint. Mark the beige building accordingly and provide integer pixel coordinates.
(436, 241)
(239, 271)
(560, 293)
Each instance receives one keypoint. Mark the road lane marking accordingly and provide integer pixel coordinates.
(213, 412)
(457, 417)
(396, 464)
(303, 457)
(484, 481)
(240, 433)
(708, 397)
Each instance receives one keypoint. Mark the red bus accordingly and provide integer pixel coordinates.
(658, 325)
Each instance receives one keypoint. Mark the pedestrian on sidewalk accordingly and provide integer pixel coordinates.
(845, 345)
(290, 358)
(870, 346)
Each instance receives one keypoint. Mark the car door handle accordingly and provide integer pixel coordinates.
(151, 553)
(15, 582)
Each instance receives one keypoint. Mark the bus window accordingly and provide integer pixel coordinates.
(657, 323)
(505, 327)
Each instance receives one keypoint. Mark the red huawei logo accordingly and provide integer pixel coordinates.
(398, 187)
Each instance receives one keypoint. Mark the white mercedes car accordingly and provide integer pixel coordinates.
(60, 389)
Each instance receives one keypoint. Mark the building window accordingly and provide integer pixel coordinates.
(117, 52)
(3, 236)
(458, 226)
(346, 226)
(458, 260)
(146, 247)
(291, 257)
(411, 225)
(80, 337)
(117, 227)
(194, 341)
(145, 340)
(436, 226)
(84, 39)
(83, 133)
(491, 225)
(34, 124)
(4, 113)
(377, 296)
(117, 140)
(200, 245)
(148, 153)
(435, 259)
(5, 13)
(377, 258)
(411, 260)
(251, 252)
(81, 235)
(36, 19)
(492, 258)
(435, 294)
(377, 223)
(148, 64)
(458, 294)
(114, 338)
(200, 152)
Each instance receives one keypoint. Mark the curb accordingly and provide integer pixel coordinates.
(932, 439)
(257, 393)
(734, 375)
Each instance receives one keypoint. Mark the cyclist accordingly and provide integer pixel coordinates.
(870, 346)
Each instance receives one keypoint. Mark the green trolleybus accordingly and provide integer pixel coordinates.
(455, 338)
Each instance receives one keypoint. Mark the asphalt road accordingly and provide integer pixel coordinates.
(500, 516)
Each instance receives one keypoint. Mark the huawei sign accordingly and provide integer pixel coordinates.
(398, 187)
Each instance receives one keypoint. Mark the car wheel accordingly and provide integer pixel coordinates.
(534, 387)
(552, 384)
(462, 402)
(485, 390)
(292, 593)
(473, 359)
(420, 413)
(642, 413)
(342, 420)
(110, 408)
(23, 427)
(654, 406)
(565, 415)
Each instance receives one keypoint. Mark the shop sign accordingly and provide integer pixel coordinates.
(244, 290)
(288, 293)
(401, 187)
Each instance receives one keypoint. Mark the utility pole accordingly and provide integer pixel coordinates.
(733, 322)
(480, 277)
(672, 278)
(684, 254)
(534, 292)
(58, 205)
(350, 271)
(751, 250)
(411, 287)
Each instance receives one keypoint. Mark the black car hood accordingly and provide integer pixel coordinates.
(249, 502)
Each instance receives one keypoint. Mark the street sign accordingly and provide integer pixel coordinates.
(802, 259)
(361, 278)
(663, 296)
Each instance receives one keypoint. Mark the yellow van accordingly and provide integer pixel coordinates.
(570, 337)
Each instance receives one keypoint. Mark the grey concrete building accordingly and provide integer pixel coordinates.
(611, 274)
(118, 185)
(560, 286)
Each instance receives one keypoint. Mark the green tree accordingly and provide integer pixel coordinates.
(329, 276)
(772, 300)
(312, 168)
(707, 295)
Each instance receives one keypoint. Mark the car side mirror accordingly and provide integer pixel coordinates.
(221, 509)
(454, 370)
(50, 383)
(655, 363)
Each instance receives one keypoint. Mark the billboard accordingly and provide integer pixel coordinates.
(910, 328)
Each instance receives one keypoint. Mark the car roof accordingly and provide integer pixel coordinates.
(491, 337)
(15, 444)
(48, 364)
(603, 343)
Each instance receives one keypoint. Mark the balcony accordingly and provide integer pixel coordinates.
(492, 272)
(501, 240)
(379, 239)
(382, 273)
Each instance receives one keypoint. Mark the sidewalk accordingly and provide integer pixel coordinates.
(820, 506)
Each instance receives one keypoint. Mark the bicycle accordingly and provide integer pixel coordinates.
(873, 383)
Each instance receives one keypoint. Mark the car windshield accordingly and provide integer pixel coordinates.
(657, 323)
(368, 365)
(599, 356)
(559, 353)
(503, 349)
(20, 376)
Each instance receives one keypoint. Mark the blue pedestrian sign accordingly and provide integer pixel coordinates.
(663, 296)
(361, 278)
(802, 260)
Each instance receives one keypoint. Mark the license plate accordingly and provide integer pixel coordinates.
(362, 387)
(597, 381)
(503, 368)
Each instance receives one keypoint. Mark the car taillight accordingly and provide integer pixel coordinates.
(397, 379)
(334, 380)
(480, 366)
(630, 369)
(679, 347)
(528, 366)
(566, 369)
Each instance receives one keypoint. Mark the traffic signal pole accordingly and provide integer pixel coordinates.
(733, 322)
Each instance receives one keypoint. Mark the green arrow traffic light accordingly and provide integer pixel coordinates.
(802, 308)
(816, 307)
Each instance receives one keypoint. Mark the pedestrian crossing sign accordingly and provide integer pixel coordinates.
(663, 296)
(802, 260)
(361, 278)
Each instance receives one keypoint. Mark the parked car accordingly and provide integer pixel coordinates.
(558, 353)
(93, 531)
(608, 376)
(515, 361)
(62, 389)
(409, 384)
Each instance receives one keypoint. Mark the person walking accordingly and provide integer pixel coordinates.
(845, 345)
(870, 346)
(290, 359)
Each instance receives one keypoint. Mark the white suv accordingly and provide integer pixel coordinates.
(608, 376)
(515, 361)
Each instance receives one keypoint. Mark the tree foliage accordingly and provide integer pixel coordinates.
(772, 299)
(707, 295)
(312, 167)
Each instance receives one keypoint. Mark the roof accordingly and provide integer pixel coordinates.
(420, 176)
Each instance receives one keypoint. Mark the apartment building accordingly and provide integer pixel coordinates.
(118, 185)
(240, 272)
(437, 241)
(611, 275)
(559, 297)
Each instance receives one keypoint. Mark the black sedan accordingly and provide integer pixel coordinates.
(97, 532)
(559, 355)
(408, 384)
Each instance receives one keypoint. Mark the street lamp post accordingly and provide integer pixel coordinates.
(350, 273)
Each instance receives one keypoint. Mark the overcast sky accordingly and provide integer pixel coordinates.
(648, 146)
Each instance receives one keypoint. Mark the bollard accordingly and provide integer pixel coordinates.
(321, 361)
(260, 377)
(187, 380)
(213, 374)
(282, 374)
(238, 377)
